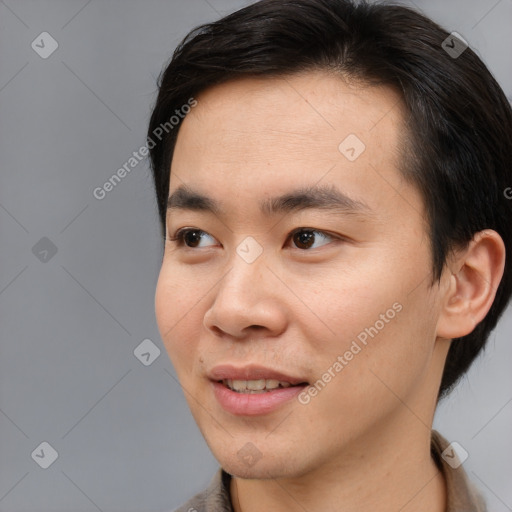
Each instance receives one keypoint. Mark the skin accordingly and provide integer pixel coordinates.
(363, 443)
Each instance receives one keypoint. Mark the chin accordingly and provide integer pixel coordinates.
(248, 463)
(259, 471)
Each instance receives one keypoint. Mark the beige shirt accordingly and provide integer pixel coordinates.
(462, 496)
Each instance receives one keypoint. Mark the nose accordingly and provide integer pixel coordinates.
(248, 300)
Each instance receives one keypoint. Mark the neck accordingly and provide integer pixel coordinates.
(388, 472)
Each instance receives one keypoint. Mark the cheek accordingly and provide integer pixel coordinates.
(385, 357)
(375, 375)
(174, 308)
(378, 311)
(350, 297)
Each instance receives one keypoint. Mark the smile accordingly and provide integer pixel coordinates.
(255, 386)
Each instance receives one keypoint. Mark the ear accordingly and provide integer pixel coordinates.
(471, 280)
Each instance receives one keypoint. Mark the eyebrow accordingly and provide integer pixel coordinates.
(322, 197)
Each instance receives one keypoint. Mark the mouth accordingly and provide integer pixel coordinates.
(253, 390)
(259, 386)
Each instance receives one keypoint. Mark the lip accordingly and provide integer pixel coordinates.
(251, 372)
(247, 404)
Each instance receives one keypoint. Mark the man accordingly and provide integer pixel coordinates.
(337, 250)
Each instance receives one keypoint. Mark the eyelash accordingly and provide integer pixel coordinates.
(179, 236)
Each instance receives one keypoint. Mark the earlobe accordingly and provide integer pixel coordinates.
(474, 276)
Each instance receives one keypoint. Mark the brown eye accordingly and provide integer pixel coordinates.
(192, 238)
(305, 238)
(188, 237)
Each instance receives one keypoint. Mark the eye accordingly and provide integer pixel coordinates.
(305, 238)
(188, 236)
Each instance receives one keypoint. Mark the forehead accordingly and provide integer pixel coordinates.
(261, 135)
(320, 99)
(306, 113)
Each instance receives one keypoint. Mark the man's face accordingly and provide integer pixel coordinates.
(337, 298)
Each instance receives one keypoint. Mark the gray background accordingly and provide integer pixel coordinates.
(69, 325)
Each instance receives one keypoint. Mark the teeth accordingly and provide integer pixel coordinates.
(271, 384)
(254, 386)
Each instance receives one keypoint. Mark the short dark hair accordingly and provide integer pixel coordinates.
(459, 120)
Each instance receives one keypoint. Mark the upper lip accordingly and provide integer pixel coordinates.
(251, 372)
